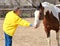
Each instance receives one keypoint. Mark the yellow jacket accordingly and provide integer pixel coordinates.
(11, 22)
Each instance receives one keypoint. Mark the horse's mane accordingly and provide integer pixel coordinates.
(51, 7)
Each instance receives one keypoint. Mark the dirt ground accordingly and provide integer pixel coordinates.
(29, 36)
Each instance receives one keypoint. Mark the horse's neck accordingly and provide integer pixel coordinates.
(52, 9)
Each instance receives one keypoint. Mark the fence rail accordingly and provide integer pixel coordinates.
(26, 12)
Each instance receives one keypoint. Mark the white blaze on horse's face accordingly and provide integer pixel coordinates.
(37, 21)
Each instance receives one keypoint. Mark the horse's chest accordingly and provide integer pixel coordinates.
(51, 22)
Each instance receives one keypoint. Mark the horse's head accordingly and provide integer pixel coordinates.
(39, 13)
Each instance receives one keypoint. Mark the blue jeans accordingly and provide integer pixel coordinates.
(8, 40)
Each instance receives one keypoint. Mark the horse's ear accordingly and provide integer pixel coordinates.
(40, 5)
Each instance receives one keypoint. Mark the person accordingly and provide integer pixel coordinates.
(11, 22)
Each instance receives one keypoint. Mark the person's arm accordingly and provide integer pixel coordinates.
(23, 22)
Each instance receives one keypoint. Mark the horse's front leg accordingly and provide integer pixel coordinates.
(48, 36)
(57, 37)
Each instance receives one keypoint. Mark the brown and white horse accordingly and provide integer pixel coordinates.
(50, 19)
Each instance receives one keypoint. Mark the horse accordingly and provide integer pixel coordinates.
(50, 20)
